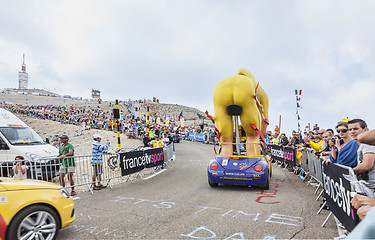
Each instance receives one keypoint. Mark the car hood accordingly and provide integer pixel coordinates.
(13, 184)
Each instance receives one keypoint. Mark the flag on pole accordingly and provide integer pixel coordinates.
(298, 92)
(179, 116)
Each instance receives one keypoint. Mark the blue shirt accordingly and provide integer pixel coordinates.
(347, 156)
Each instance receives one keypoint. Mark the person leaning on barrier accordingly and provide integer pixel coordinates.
(316, 143)
(20, 168)
(365, 169)
(344, 149)
(97, 160)
(295, 139)
(364, 204)
(156, 143)
(283, 140)
(326, 151)
(146, 139)
(66, 153)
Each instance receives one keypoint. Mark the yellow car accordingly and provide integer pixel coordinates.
(31, 209)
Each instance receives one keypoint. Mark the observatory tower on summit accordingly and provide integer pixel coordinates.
(23, 76)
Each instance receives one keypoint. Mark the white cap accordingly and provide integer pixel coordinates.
(96, 136)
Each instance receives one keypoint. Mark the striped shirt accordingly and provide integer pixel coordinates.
(97, 152)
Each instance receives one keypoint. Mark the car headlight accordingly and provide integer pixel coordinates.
(64, 192)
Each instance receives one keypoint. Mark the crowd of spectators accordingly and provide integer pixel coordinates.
(353, 146)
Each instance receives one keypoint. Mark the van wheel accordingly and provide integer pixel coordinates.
(34, 222)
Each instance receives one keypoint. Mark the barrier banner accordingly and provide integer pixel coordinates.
(197, 136)
(132, 162)
(337, 193)
(283, 154)
(155, 157)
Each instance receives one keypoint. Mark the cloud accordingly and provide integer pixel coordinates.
(178, 51)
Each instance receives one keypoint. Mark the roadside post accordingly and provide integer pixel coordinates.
(116, 115)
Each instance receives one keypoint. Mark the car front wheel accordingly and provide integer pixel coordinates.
(34, 222)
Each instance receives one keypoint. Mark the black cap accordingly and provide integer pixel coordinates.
(64, 136)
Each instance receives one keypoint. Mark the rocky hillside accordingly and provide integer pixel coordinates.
(193, 116)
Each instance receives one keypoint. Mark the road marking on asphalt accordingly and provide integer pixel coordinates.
(155, 174)
(76, 198)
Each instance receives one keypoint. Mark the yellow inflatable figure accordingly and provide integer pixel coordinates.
(243, 90)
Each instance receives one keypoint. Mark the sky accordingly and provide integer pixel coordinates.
(177, 51)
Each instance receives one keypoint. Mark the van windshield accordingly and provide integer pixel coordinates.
(21, 135)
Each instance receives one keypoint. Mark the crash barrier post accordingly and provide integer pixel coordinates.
(314, 169)
(107, 169)
(304, 165)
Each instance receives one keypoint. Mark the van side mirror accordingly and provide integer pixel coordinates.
(47, 140)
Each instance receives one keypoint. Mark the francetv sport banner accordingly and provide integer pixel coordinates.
(132, 162)
(337, 194)
(283, 154)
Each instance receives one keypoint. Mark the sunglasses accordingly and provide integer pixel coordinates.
(341, 130)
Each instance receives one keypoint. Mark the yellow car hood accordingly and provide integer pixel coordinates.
(12, 184)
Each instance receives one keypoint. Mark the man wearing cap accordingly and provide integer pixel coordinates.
(97, 160)
(67, 164)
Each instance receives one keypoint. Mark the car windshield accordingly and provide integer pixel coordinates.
(21, 135)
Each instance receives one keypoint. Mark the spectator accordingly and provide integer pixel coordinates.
(295, 139)
(364, 204)
(68, 164)
(97, 160)
(330, 131)
(326, 149)
(146, 140)
(317, 143)
(365, 169)
(276, 138)
(156, 143)
(151, 133)
(283, 140)
(269, 134)
(20, 168)
(343, 152)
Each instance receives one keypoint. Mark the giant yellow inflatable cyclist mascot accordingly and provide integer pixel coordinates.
(243, 90)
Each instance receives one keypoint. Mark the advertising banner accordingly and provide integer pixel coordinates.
(283, 154)
(197, 136)
(337, 194)
(132, 162)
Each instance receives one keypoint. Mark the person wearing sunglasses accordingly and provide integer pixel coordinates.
(344, 149)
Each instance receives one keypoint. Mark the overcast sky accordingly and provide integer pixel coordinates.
(178, 51)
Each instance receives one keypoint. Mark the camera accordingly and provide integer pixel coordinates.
(333, 139)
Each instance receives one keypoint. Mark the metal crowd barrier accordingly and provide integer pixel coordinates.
(48, 169)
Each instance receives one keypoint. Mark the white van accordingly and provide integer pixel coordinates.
(18, 139)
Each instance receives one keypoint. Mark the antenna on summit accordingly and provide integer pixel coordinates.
(23, 76)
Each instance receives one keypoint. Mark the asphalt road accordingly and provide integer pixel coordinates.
(178, 203)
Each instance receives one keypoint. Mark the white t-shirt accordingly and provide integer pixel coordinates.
(20, 174)
(368, 176)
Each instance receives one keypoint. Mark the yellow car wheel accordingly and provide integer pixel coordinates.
(34, 222)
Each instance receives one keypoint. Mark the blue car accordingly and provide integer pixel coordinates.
(240, 170)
